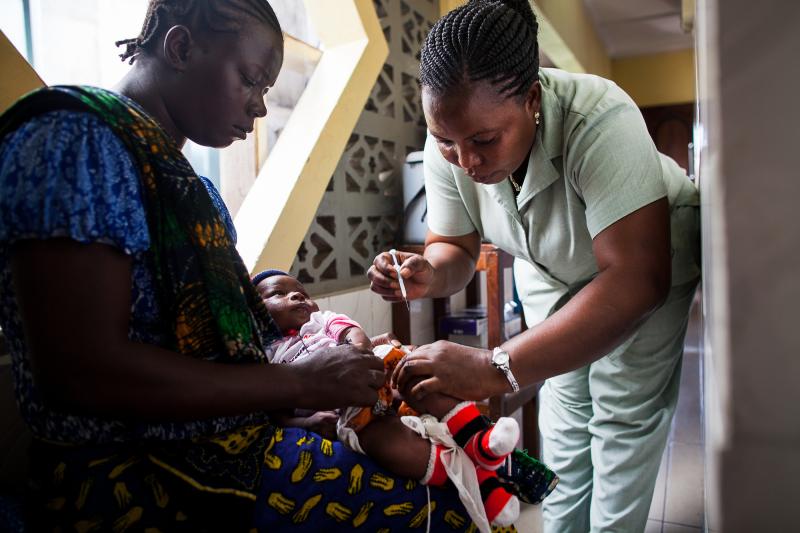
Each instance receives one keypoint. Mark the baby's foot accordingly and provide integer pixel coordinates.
(502, 507)
(489, 447)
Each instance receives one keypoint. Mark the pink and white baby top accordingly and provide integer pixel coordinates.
(323, 329)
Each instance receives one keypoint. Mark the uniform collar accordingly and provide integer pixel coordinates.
(547, 147)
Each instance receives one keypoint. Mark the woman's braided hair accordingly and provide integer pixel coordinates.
(491, 40)
(215, 15)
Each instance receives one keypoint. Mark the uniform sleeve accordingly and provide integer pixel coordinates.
(447, 214)
(614, 165)
(66, 174)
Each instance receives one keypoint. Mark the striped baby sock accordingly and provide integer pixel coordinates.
(487, 445)
(502, 507)
(435, 475)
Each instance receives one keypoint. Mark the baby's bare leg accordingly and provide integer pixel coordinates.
(434, 403)
(491, 445)
(396, 447)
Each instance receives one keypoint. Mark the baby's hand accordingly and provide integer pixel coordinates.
(359, 339)
(323, 423)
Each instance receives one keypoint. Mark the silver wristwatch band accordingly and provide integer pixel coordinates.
(500, 360)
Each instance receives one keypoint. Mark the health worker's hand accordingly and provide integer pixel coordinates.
(417, 275)
(448, 368)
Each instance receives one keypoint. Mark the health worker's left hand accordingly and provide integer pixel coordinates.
(449, 368)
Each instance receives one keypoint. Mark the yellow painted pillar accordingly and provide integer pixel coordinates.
(280, 207)
(445, 6)
(568, 37)
(18, 77)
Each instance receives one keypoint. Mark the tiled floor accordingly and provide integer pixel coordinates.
(677, 505)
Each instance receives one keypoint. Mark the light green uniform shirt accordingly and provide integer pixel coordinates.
(593, 162)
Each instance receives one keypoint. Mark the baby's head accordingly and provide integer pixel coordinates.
(286, 299)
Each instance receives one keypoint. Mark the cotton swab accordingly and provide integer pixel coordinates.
(393, 253)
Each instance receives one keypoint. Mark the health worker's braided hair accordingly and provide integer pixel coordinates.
(491, 40)
(214, 15)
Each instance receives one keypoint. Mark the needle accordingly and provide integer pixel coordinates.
(393, 253)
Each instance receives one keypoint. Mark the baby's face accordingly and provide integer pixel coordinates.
(287, 301)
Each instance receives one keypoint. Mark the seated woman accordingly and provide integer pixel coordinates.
(140, 366)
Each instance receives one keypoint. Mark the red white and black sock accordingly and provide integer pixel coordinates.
(486, 444)
(502, 507)
(435, 475)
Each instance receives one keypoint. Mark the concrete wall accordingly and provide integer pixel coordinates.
(749, 80)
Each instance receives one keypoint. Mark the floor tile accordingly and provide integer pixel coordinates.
(653, 526)
(679, 528)
(687, 425)
(684, 498)
(530, 519)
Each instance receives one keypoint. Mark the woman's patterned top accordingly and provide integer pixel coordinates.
(66, 174)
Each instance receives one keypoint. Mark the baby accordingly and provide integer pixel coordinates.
(386, 439)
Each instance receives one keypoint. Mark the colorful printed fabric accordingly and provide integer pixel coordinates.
(332, 488)
(310, 484)
(201, 283)
(66, 174)
(200, 276)
(210, 482)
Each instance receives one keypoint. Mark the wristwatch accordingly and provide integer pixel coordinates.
(500, 360)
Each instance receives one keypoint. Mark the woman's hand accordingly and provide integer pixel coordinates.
(339, 376)
(417, 275)
(448, 368)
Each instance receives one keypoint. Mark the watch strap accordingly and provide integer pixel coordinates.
(506, 370)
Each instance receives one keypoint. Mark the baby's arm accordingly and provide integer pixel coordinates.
(320, 422)
(342, 328)
(357, 337)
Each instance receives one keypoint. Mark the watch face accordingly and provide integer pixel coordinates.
(501, 358)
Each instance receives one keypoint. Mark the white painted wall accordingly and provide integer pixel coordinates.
(749, 177)
(363, 306)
